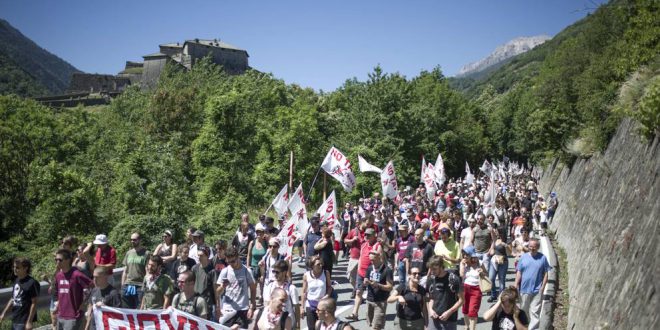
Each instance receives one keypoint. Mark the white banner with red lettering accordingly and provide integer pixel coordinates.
(108, 318)
(339, 167)
(388, 182)
(439, 169)
(297, 225)
(328, 213)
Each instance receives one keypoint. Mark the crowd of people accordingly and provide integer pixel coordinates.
(430, 254)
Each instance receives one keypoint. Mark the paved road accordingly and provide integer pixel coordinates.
(345, 304)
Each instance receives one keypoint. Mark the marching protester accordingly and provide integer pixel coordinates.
(418, 254)
(371, 244)
(23, 303)
(70, 285)
(471, 270)
(411, 302)
(187, 299)
(236, 293)
(401, 246)
(182, 264)
(167, 250)
(326, 314)
(204, 275)
(280, 270)
(256, 251)
(379, 282)
(353, 241)
(531, 278)
(505, 314)
(499, 264)
(158, 287)
(271, 258)
(316, 286)
(242, 240)
(103, 294)
(448, 249)
(271, 317)
(135, 263)
(105, 256)
(445, 296)
(325, 249)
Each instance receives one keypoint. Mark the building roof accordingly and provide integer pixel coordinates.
(172, 44)
(215, 43)
(158, 54)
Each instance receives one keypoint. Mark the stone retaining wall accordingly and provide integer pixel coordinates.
(607, 222)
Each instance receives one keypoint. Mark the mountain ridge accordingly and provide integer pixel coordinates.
(501, 54)
(44, 67)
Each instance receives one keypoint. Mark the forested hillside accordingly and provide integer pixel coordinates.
(205, 146)
(27, 69)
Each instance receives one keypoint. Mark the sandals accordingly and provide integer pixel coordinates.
(352, 317)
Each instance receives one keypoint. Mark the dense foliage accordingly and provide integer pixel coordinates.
(204, 146)
(557, 98)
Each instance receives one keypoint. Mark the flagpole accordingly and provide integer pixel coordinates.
(290, 172)
(313, 182)
(325, 185)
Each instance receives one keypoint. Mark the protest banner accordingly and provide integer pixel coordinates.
(109, 318)
(339, 167)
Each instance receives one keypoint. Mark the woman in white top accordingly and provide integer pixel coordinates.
(316, 286)
(471, 270)
(280, 270)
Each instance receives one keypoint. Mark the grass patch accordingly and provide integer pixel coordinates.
(562, 296)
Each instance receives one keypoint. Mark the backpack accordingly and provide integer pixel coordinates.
(177, 300)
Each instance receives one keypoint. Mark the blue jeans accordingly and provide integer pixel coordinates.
(401, 269)
(499, 271)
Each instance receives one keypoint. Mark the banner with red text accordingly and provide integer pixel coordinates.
(388, 182)
(108, 318)
(328, 213)
(339, 167)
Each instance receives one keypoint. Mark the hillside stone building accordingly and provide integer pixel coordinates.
(234, 60)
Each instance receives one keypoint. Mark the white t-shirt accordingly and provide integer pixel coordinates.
(467, 235)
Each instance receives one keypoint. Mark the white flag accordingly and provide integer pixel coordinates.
(439, 170)
(421, 175)
(485, 167)
(469, 177)
(491, 193)
(339, 167)
(298, 210)
(328, 213)
(281, 201)
(388, 182)
(366, 167)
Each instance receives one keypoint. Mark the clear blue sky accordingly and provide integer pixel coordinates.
(316, 44)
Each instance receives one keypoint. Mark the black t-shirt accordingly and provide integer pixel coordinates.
(504, 321)
(24, 290)
(381, 275)
(327, 254)
(444, 292)
(419, 255)
(179, 267)
(311, 240)
(414, 303)
(109, 296)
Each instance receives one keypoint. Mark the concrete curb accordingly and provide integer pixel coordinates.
(548, 303)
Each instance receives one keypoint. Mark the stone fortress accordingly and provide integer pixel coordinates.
(89, 89)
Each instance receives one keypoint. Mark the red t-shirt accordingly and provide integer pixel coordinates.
(364, 262)
(106, 256)
(70, 286)
(354, 251)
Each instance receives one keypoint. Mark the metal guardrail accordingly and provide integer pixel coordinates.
(43, 301)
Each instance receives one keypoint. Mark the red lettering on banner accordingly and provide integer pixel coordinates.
(182, 322)
(106, 316)
(208, 327)
(131, 322)
(142, 318)
(168, 322)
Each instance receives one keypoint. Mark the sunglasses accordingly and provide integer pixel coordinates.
(273, 246)
(276, 272)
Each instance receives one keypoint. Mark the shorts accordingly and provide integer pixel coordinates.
(256, 273)
(544, 225)
(74, 324)
(359, 282)
(298, 243)
(411, 324)
(376, 311)
(240, 319)
(351, 269)
(472, 300)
